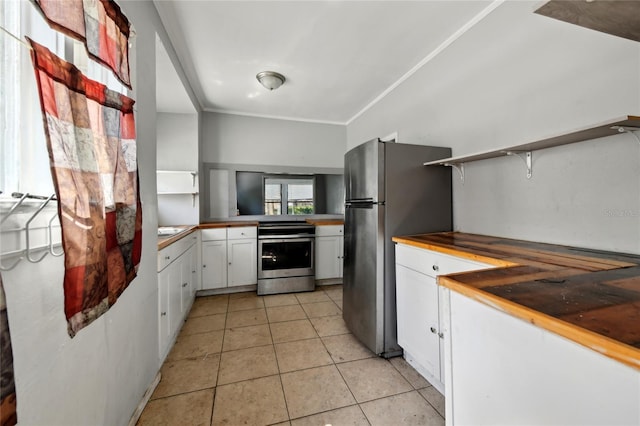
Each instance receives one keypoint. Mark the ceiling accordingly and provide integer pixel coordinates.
(338, 57)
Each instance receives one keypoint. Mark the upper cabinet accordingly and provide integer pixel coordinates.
(619, 18)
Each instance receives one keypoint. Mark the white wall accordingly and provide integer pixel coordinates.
(177, 141)
(177, 149)
(236, 142)
(517, 77)
(237, 139)
(100, 375)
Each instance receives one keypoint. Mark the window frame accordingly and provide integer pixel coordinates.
(284, 183)
(25, 158)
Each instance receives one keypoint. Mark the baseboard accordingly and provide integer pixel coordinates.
(226, 290)
(145, 398)
(329, 281)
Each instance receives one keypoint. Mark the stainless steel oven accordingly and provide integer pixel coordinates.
(285, 257)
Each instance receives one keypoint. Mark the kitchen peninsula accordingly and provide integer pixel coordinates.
(544, 334)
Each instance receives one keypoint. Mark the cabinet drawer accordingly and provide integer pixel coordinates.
(433, 263)
(242, 232)
(329, 230)
(172, 252)
(214, 234)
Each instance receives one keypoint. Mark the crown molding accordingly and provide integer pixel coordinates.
(275, 117)
(443, 46)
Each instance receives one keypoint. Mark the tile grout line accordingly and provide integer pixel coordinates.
(417, 389)
(215, 389)
(275, 354)
(342, 376)
(280, 373)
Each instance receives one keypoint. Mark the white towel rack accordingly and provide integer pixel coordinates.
(29, 250)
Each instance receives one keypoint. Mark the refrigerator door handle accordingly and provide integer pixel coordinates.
(367, 204)
(360, 200)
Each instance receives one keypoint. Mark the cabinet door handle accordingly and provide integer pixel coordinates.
(167, 257)
(184, 284)
(441, 335)
(433, 330)
(163, 314)
(435, 267)
(204, 266)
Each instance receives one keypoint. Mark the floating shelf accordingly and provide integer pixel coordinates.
(193, 195)
(626, 124)
(181, 172)
(618, 18)
(174, 183)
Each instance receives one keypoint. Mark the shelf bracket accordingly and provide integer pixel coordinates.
(631, 130)
(193, 178)
(459, 168)
(526, 157)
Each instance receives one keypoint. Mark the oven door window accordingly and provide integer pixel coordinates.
(286, 255)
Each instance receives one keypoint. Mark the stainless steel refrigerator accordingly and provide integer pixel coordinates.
(388, 192)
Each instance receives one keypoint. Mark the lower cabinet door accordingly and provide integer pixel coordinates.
(418, 325)
(214, 264)
(328, 257)
(186, 281)
(242, 256)
(164, 333)
(175, 295)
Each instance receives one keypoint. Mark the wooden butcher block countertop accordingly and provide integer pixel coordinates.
(325, 222)
(591, 297)
(168, 240)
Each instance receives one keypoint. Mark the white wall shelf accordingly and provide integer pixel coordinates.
(180, 172)
(178, 182)
(627, 124)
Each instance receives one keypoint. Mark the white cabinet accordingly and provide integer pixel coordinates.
(420, 329)
(242, 256)
(502, 370)
(329, 251)
(188, 270)
(418, 322)
(229, 257)
(165, 278)
(214, 258)
(176, 288)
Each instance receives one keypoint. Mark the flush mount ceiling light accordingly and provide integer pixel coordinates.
(270, 79)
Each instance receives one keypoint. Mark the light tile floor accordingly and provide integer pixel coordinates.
(288, 359)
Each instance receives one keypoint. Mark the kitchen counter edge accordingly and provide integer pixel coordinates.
(604, 345)
(188, 229)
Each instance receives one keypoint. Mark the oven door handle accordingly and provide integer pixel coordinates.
(286, 237)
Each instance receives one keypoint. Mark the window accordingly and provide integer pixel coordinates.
(10, 96)
(272, 197)
(291, 195)
(23, 150)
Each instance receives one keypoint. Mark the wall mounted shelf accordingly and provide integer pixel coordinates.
(180, 172)
(627, 124)
(618, 18)
(178, 182)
